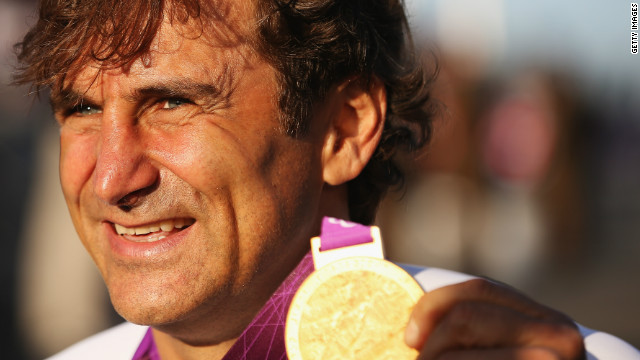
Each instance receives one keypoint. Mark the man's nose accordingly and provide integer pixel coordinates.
(123, 171)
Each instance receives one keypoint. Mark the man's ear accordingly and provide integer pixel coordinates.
(354, 129)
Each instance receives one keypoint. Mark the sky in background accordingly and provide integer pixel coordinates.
(591, 38)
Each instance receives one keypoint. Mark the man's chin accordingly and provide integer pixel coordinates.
(190, 323)
(148, 313)
(152, 307)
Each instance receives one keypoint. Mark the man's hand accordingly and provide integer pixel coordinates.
(479, 319)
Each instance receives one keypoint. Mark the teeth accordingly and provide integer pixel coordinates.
(120, 229)
(142, 230)
(166, 225)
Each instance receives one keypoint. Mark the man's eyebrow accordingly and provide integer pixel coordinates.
(180, 88)
(65, 99)
(215, 90)
(219, 93)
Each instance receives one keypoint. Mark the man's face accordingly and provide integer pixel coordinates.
(181, 185)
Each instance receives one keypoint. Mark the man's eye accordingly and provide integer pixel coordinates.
(85, 110)
(174, 103)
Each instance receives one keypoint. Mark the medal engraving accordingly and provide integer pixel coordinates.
(355, 308)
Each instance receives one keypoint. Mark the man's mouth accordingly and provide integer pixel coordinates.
(153, 232)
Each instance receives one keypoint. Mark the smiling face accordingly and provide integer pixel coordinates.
(182, 186)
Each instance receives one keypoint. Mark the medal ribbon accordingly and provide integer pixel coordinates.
(338, 233)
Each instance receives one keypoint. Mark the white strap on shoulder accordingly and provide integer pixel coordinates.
(117, 343)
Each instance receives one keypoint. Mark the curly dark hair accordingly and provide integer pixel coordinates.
(312, 44)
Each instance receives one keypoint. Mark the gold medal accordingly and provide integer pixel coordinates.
(355, 305)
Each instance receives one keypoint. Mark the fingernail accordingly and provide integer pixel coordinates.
(411, 334)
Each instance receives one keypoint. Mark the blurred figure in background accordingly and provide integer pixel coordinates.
(481, 190)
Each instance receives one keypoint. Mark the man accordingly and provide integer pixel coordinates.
(202, 142)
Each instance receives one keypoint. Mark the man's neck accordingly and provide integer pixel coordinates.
(172, 348)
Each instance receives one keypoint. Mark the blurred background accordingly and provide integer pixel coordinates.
(531, 178)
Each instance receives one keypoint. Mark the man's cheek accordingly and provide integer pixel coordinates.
(77, 161)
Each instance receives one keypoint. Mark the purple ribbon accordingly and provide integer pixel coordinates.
(337, 233)
(264, 337)
(147, 349)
